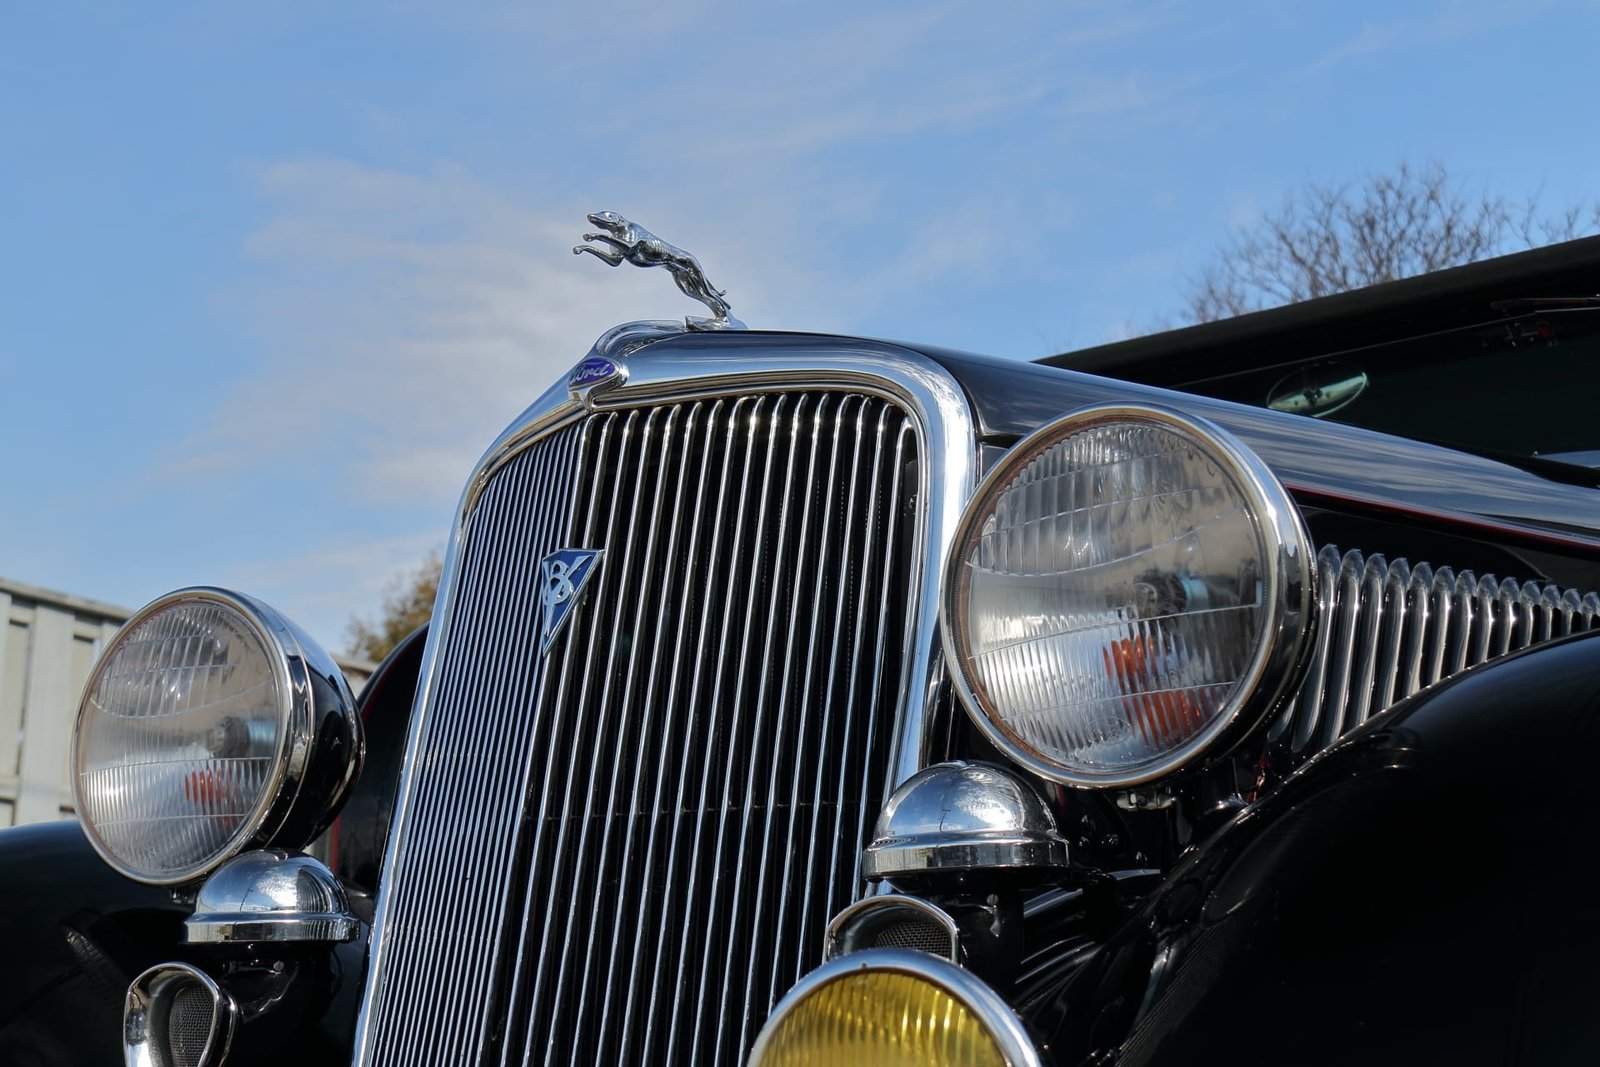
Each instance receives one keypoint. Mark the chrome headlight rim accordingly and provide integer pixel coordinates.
(1288, 571)
(316, 710)
(987, 1006)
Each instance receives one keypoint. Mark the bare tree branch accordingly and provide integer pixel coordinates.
(1330, 238)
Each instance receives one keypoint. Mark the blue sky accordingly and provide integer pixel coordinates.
(272, 276)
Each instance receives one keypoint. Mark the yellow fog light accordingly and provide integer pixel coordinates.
(895, 1008)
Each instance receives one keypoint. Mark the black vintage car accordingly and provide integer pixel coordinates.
(1219, 696)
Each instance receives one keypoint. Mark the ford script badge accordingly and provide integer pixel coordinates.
(596, 370)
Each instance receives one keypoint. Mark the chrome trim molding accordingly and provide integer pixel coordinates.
(1287, 607)
(148, 1008)
(865, 919)
(665, 365)
(995, 1014)
(271, 895)
(317, 711)
(958, 817)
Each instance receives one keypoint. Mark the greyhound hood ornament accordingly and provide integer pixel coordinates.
(624, 240)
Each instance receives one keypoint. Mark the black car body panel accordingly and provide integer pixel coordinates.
(1419, 893)
(75, 934)
(355, 842)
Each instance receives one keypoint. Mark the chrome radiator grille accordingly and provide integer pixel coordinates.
(1389, 629)
(626, 851)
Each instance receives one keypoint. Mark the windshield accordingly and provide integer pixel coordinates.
(1527, 387)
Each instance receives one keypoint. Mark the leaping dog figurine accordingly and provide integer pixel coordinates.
(624, 240)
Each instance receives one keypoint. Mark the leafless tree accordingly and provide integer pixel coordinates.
(1330, 238)
(407, 605)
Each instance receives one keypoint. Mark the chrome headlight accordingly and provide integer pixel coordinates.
(1128, 588)
(211, 724)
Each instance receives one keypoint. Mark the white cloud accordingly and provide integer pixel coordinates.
(406, 317)
(331, 583)
(406, 312)
(1449, 21)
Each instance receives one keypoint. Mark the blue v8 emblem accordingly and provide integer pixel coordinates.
(562, 575)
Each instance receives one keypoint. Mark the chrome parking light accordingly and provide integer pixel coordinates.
(956, 818)
(271, 895)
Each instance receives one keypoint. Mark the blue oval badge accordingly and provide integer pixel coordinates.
(592, 372)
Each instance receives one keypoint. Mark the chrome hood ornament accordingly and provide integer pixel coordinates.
(624, 240)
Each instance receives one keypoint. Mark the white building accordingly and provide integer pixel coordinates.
(48, 644)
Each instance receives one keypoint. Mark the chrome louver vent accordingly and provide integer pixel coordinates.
(626, 851)
(1390, 629)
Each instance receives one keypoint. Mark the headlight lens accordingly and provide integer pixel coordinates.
(892, 1007)
(1128, 586)
(203, 723)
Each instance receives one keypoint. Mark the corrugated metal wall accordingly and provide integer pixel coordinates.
(48, 644)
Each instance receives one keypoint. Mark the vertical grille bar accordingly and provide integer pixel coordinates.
(811, 898)
(787, 758)
(641, 996)
(598, 675)
(1391, 629)
(798, 671)
(553, 738)
(653, 569)
(683, 881)
(878, 696)
(460, 810)
(739, 573)
(786, 449)
(625, 851)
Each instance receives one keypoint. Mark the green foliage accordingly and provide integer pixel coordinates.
(407, 604)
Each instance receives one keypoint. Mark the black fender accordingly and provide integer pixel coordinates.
(75, 933)
(1422, 892)
(356, 839)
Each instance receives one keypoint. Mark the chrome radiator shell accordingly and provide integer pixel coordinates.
(503, 930)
